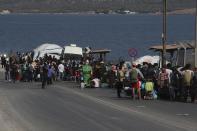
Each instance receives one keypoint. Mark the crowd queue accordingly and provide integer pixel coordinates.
(144, 81)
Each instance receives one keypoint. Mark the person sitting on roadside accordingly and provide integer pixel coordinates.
(149, 88)
(95, 83)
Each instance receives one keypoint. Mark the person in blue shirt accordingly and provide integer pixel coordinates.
(50, 75)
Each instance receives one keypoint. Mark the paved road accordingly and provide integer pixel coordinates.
(65, 107)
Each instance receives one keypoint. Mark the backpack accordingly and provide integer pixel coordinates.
(134, 76)
(187, 77)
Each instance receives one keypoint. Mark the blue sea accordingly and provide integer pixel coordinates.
(24, 32)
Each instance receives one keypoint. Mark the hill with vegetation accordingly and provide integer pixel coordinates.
(57, 6)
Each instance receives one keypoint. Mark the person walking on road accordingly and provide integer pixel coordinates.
(44, 75)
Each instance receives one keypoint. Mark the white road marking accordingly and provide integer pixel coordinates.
(186, 114)
(140, 106)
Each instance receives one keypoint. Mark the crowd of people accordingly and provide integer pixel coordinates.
(22, 67)
(144, 81)
(151, 82)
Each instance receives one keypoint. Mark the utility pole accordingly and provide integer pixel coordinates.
(164, 32)
(195, 58)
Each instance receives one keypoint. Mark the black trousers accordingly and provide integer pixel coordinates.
(119, 86)
(49, 80)
(187, 90)
(44, 81)
(193, 93)
(13, 76)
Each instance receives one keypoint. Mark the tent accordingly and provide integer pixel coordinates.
(148, 59)
(49, 49)
(73, 50)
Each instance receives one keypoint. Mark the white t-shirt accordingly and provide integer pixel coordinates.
(61, 68)
(169, 74)
(96, 82)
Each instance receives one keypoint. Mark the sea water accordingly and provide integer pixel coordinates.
(24, 32)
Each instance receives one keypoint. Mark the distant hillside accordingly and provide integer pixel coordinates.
(92, 5)
(184, 11)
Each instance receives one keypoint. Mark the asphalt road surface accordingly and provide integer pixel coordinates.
(63, 106)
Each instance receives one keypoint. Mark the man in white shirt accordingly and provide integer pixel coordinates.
(61, 70)
(171, 88)
(169, 72)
